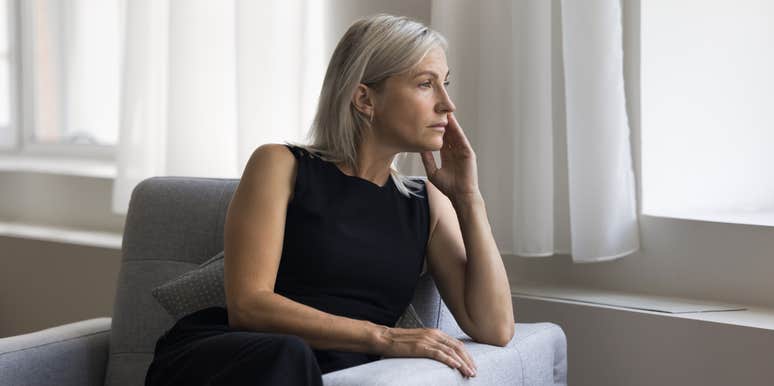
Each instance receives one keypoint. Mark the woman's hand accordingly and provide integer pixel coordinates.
(458, 174)
(426, 343)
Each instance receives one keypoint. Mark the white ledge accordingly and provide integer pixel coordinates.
(759, 217)
(91, 238)
(674, 307)
(58, 165)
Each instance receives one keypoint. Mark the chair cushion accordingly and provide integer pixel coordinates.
(203, 287)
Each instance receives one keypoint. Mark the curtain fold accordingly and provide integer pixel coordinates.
(206, 82)
(601, 180)
(539, 91)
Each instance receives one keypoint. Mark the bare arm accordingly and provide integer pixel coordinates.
(254, 233)
(487, 292)
(270, 312)
(467, 268)
(462, 254)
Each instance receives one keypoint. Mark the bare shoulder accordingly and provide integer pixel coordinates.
(272, 163)
(275, 152)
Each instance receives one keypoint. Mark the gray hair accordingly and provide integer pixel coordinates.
(373, 49)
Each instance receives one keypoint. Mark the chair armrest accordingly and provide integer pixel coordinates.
(70, 354)
(536, 355)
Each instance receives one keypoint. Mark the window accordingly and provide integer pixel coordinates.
(69, 87)
(707, 127)
(7, 140)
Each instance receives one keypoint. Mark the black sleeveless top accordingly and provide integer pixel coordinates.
(351, 248)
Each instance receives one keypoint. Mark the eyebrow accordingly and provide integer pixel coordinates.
(431, 73)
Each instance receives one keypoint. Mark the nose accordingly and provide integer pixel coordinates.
(446, 105)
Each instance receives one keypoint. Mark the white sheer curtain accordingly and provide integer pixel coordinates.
(549, 126)
(206, 82)
(538, 86)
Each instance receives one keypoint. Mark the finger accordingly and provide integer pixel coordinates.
(460, 364)
(457, 129)
(429, 162)
(449, 345)
(460, 352)
(446, 344)
(460, 347)
(440, 355)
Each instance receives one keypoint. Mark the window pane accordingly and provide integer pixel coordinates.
(6, 137)
(76, 52)
(4, 27)
(706, 106)
(5, 102)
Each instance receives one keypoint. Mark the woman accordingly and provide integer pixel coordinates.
(325, 243)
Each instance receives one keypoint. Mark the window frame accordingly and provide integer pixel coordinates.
(13, 74)
(22, 97)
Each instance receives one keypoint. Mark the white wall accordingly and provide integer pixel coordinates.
(44, 284)
(614, 347)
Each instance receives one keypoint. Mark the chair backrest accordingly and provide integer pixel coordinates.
(172, 225)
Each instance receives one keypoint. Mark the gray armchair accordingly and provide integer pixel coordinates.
(175, 223)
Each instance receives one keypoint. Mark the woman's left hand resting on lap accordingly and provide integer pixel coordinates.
(458, 175)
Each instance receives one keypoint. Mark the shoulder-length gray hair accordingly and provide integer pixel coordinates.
(373, 49)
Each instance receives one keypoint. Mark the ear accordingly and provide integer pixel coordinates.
(362, 99)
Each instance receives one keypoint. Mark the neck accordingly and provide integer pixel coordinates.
(373, 163)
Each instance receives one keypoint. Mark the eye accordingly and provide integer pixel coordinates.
(428, 84)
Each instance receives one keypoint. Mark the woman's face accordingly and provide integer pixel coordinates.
(411, 103)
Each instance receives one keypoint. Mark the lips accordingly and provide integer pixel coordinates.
(439, 124)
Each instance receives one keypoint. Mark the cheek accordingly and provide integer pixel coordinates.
(407, 109)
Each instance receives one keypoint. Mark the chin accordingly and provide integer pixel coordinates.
(431, 147)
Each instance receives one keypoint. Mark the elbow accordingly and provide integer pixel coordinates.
(504, 335)
(497, 336)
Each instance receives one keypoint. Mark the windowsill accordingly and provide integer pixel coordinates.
(91, 238)
(759, 218)
(58, 165)
(738, 315)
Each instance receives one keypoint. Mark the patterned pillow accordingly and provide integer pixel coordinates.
(195, 290)
(203, 287)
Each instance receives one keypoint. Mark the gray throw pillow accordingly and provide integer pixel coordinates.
(194, 290)
(203, 287)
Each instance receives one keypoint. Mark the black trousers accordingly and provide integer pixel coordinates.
(201, 349)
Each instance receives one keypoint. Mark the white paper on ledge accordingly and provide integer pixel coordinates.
(647, 303)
